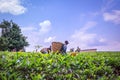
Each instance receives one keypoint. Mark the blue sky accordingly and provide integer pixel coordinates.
(84, 23)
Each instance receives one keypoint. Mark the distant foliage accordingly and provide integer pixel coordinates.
(11, 37)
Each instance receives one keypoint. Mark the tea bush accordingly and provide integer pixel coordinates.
(37, 66)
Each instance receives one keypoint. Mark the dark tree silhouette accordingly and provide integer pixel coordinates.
(11, 37)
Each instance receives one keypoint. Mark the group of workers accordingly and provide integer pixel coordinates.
(77, 50)
(62, 50)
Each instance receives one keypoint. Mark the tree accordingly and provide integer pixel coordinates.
(37, 47)
(11, 37)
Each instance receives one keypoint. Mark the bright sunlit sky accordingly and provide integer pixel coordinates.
(85, 23)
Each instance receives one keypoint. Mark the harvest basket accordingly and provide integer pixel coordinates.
(56, 46)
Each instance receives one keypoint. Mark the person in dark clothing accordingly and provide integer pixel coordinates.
(64, 47)
(78, 49)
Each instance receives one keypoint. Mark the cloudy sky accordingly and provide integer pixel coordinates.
(84, 23)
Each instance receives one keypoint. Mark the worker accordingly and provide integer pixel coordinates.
(78, 49)
(64, 47)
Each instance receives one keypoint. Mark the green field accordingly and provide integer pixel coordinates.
(37, 66)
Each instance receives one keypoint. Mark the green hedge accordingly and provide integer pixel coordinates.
(37, 66)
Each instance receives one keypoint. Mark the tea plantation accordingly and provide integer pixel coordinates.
(37, 66)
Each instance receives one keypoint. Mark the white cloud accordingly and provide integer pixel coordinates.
(82, 38)
(102, 40)
(113, 16)
(81, 34)
(88, 25)
(12, 6)
(45, 26)
(86, 40)
(33, 37)
(36, 35)
(49, 39)
(111, 46)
